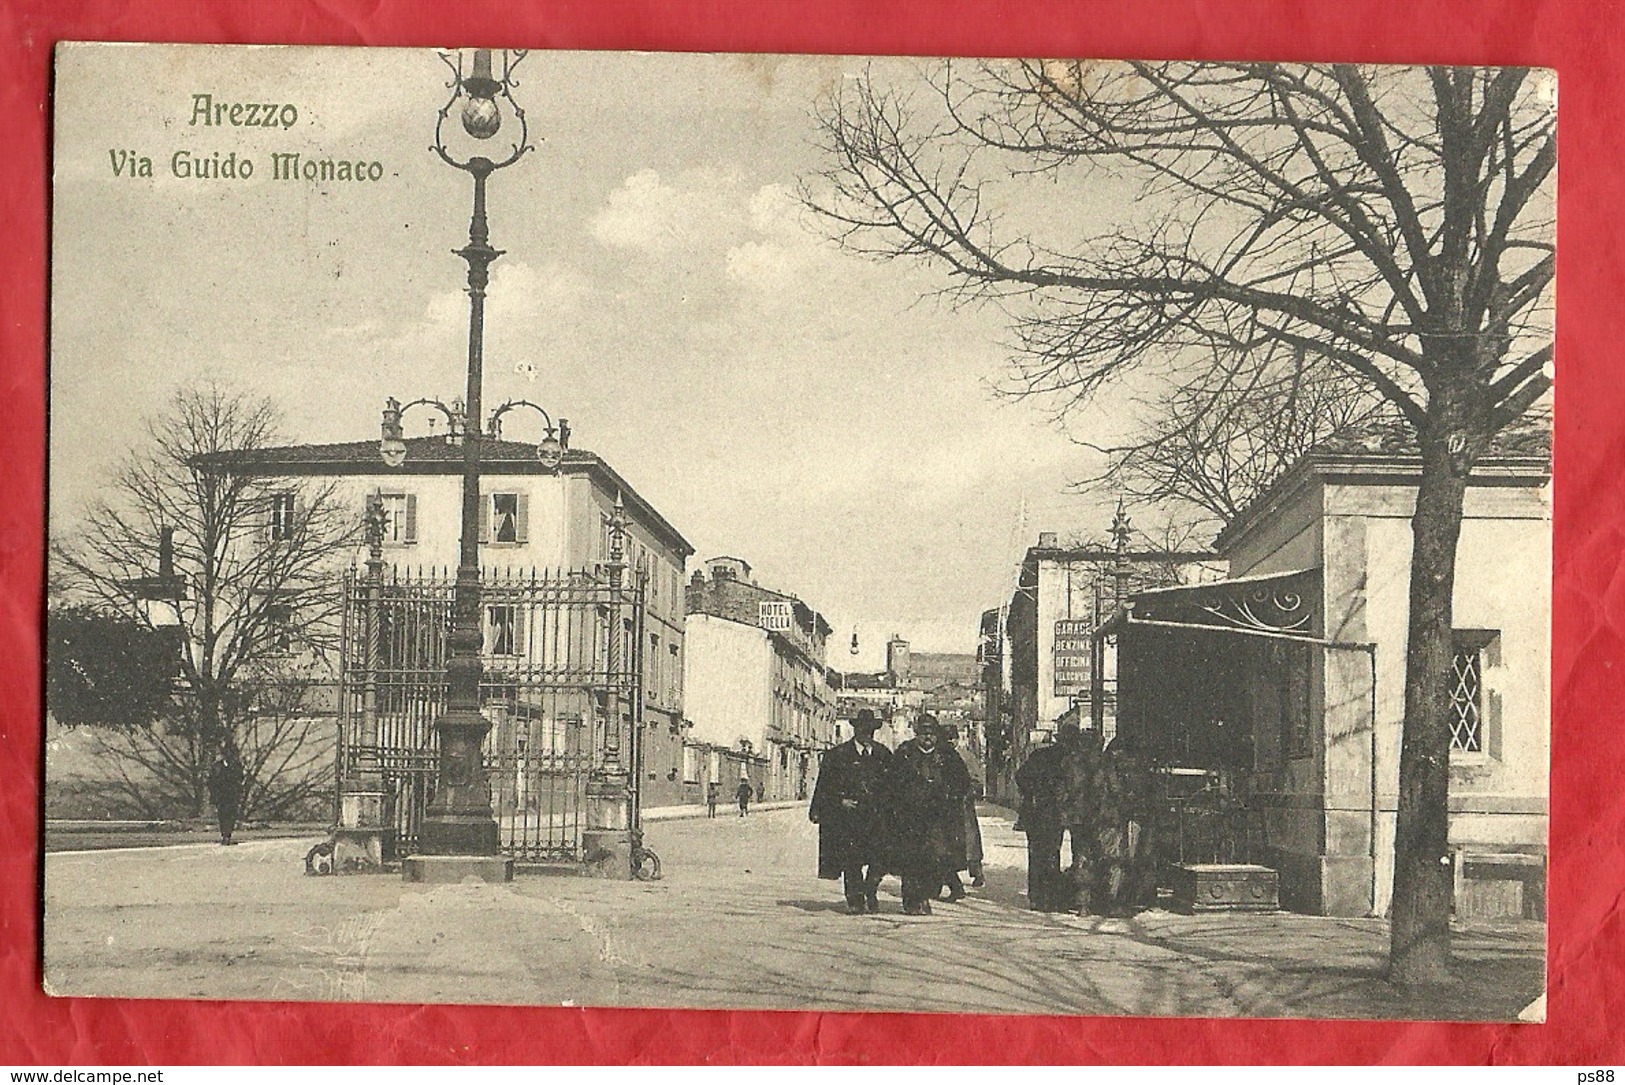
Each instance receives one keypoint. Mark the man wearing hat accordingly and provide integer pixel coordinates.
(1058, 798)
(849, 808)
(929, 783)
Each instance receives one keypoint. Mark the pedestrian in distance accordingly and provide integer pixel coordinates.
(713, 792)
(761, 791)
(929, 783)
(226, 777)
(743, 794)
(1058, 801)
(849, 806)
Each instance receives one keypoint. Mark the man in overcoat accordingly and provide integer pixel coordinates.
(849, 808)
(1058, 784)
(929, 783)
(226, 777)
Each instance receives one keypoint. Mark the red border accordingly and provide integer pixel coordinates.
(1581, 40)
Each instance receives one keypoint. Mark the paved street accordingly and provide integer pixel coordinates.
(738, 921)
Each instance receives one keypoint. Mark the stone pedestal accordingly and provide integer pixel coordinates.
(456, 869)
(608, 854)
(1224, 887)
(606, 843)
(361, 840)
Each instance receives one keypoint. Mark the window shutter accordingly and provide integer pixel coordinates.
(522, 517)
(259, 512)
(409, 530)
(485, 518)
(521, 630)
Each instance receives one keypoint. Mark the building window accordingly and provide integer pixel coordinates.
(279, 626)
(1294, 663)
(400, 519)
(674, 677)
(652, 669)
(282, 516)
(502, 630)
(691, 764)
(1467, 718)
(503, 519)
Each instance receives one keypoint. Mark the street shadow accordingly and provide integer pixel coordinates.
(1004, 886)
(814, 905)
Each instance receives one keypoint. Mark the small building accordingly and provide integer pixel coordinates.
(754, 682)
(1282, 687)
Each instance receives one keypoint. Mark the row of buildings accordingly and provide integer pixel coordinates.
(1265, 674)
(729, 677)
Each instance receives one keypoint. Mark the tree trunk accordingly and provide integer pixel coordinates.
(1419, 949)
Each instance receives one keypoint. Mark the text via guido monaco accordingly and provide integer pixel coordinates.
(232, 166)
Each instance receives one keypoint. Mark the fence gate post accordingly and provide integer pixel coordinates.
(607, 842)
(359, 839)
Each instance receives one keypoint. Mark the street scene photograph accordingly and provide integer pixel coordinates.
(727, 531)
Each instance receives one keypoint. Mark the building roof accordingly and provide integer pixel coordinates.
(1107, 554)
(1384, 468)
(437, 455)
(710, 597)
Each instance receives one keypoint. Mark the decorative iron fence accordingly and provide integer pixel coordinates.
(549, 692)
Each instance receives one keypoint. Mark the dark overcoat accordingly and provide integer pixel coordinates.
(226, 783)
(1059, 787)
(928, 808)
(849, 804)
(1039, 782)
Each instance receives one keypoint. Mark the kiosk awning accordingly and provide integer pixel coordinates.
(1275, 605)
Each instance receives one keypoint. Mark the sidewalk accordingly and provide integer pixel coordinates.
(739, 920)
(690, 810)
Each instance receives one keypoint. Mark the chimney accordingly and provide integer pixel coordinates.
(1047, 540)
(166, 552)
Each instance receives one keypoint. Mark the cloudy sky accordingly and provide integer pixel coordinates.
(818, 414)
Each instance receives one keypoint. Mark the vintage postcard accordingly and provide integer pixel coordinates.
(1052, 536)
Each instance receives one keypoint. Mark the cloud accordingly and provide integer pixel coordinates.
(757, 239)
(783, 252)
(521, 298)
(646, 214)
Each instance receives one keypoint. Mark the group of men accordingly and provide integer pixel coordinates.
(1100, 799)
(910, 812)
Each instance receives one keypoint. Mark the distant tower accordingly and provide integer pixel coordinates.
(897, 660)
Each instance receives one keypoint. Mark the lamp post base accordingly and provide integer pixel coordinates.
(456, 869)
(459, 834)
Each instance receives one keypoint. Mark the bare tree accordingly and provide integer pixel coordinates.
(161, 770)
(1397, 222)
(254, 563)
(1211, 446)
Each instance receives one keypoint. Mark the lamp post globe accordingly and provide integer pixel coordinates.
(392, 451)
(550, 451)
(481, 118)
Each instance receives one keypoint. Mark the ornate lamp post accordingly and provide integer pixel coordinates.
(459, 836)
